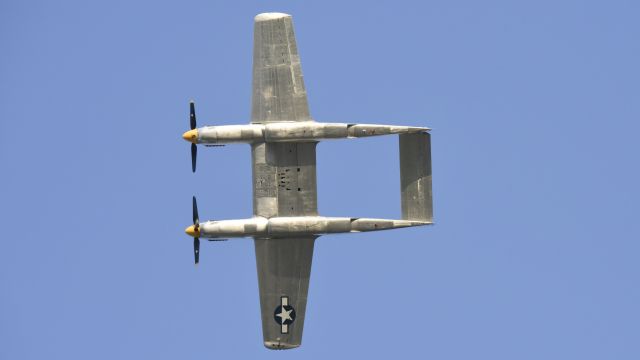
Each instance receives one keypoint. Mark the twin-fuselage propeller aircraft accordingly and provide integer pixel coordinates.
(285, 221)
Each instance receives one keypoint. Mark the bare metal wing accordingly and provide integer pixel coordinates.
(284, 267)
(278, 87)
(284, 184)
(284, 181)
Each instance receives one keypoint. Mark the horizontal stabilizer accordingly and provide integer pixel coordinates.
(415, 177)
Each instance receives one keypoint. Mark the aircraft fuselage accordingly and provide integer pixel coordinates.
(295, 226)
(304, 131)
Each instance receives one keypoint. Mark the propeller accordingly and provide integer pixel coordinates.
(194, 148)
(196, 239)
(192, 114)
(195, 232)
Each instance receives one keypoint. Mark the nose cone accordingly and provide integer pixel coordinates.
(191, 231)
(191, 136)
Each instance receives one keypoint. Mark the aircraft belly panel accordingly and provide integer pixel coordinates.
(284, 179)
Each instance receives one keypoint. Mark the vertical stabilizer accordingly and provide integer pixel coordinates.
(415, 177)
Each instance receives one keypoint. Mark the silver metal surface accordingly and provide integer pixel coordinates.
(364, 130)
(283, 140)
(278, 87)
(284, 268)
(229, 134)
(284, 179)
(284, 176)
(415, 177)
(304, 131)
(296, 226)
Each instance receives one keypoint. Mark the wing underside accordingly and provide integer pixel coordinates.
(278, 87)
(284, 181)
(284, 267)
(284, 184)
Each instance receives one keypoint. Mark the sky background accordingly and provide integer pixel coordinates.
(535, 110)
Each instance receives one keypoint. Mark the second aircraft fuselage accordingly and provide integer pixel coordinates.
(290, 132)
(293, 226)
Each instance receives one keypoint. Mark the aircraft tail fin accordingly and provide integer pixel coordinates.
(415, 177)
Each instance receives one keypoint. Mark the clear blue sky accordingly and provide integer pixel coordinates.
(535, 108)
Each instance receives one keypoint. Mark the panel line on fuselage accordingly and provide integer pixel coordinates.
(284, 179)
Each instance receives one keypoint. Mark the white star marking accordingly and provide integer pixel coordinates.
(284, 315)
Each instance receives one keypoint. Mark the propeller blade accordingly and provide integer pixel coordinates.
(192, 114)
(196, 249)
(196, 218)
(194, 155)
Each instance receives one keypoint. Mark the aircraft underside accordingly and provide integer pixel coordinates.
(283, 139)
